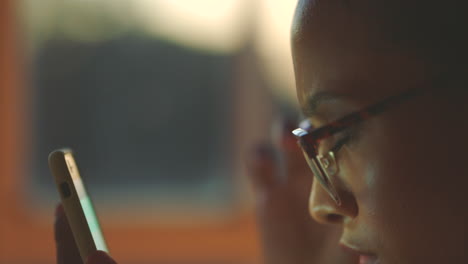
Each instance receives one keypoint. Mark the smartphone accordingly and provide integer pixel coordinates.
(76, 203)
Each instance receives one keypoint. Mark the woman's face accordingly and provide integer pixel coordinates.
(403, 174)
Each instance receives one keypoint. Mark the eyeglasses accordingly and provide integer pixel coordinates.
(325, 166)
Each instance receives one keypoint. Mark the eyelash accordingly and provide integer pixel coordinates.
(349, 135)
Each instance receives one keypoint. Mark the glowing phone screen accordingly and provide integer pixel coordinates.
(86, 204)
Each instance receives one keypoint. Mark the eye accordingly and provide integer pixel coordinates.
(345, 137)
(340, 143)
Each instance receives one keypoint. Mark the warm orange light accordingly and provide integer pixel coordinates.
(207, 24)
(273, 45)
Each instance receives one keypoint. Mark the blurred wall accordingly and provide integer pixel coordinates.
(26, 231)
(26, 234)
(11, 137)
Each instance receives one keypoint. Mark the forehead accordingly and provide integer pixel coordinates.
(337, 47)
(332, 28)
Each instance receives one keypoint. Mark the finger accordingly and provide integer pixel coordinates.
(287, 144)
(67, 251)
(286, 138)
(298, 174)
(293, 153)
(100, 257)
(262, 170)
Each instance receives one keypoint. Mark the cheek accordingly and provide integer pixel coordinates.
(404, 206)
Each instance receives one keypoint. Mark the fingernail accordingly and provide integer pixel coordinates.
(100, 257)
(59, 211)
(258, 155)
(263, 151)
(288, 140)
(288, 127)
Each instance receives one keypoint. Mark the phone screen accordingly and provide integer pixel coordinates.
(86, 204)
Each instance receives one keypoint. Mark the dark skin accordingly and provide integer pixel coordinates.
(402, 177)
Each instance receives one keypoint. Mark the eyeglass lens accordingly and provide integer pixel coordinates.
(323, 167)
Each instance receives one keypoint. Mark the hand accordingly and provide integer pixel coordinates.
(67, 251)
(282, 182)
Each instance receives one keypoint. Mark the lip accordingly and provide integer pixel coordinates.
(365, 257)
(368, 259)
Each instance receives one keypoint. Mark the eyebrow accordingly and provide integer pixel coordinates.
(313, 102)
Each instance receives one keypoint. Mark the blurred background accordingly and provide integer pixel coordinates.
(161, 101)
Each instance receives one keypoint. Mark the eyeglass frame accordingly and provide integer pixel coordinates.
(308, 139)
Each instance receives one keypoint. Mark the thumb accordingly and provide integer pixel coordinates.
(67, 251)
(100, 257)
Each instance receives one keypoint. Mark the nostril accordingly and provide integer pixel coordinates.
(334, 218)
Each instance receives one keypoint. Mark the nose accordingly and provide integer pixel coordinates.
(326, 211)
